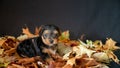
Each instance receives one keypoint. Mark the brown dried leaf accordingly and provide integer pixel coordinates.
(37, 30)
(1, 51)
(113, 56)
(60, 64)
(27, 32)
(72, 43)
(51, 65)
(9, 43)
(91, 62)
(34, 65)
(85, 62)
(80, 50)
(6, 46)
(17, 66)
(10, 51)
(70, 62)
(22, 37)
(26, 60)
(67, 66)
(2, 41)
(11, 66)
(110, 45)
(101, 57)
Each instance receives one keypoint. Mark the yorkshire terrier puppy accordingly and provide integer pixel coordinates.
(43, 45)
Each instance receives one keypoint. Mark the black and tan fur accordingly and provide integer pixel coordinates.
(42, 45)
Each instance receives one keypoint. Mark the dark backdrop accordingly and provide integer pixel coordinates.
(97, 19)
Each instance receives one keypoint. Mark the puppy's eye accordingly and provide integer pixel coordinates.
(45, 35)
(55, 35)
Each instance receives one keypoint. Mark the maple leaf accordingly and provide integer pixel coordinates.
(67, 66)
(70, 63)
(1, 51)
(80, 50)
(102, 57)
(98, 45)
(66, 56)
(16, 66)
(37, 30)
(90, 62)
(110, 45)
(64, 36)
(2, 41)
(88, 44)
(26, 31)
(22, 37)
(113, 57)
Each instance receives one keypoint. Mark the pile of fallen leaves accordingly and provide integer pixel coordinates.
(70, 53)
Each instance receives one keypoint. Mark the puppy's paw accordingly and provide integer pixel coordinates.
(49, 51)
(45, 50)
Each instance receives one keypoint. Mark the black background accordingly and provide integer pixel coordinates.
(97, 19)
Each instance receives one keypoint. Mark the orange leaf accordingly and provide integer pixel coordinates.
(68, 66)
(27, 32)
(2, 41)
(110, 44)
(37, 30)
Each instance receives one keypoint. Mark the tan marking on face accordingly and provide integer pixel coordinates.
(55, 31)
(55, 41)
(47, 41)
(46, 32)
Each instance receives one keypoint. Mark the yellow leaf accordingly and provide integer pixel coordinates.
(102, 57)
(22, 37)
(64, 36)
(113, 56)
(2, 41)
(110, 45)
(1, 60)
(71, 61)
(80, 50)
(1, 51)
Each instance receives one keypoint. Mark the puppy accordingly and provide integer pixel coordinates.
(43, 45)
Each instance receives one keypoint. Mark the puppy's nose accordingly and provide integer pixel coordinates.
(51, 41)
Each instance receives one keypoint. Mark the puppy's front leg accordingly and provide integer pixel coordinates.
(49, 51)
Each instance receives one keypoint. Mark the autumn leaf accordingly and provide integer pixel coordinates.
(113, 57)
(110, 45)
(10, 51)
(102, 57)
(64, 36)
(70, 63)
(2, 41)
(67, 66)
(17, 66)
(26, 31)
(80, 50)
(37, 30)
(91, 62)
(74, 53)
(1, 51)
(22, 37)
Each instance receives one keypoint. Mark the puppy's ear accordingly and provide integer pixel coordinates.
(60, 32)
(41, 29)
